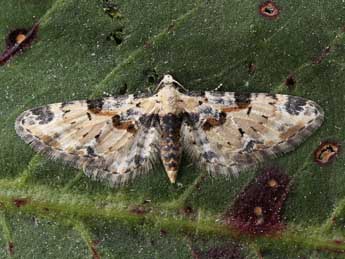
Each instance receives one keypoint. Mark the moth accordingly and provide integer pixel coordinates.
(115, 139)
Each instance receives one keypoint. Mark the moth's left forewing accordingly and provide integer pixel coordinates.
(235, 131)
(109, 138)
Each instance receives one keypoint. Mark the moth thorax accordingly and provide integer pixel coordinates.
(169, 99)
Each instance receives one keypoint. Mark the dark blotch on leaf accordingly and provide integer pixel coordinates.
(326, 152)
(151, 75)
(11, 248)
(290, 82)
(226, 251)
(251, 68)
(257, 209)
(324, 53)
(111, 9)
(269, 10)
(18, 40)
(95, 254)
(117, 36)
(139, 210)
(19, 202)
(163, 232)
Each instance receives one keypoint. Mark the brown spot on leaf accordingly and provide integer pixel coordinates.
(17, 41)
(19, 202)
(139, 210)
(225, 251)
(269, 10)
(257, 209)
(163, 232)
(326, 152)
(187, 210)
(11, 248)
(290, 82)
(95, 254)
(251, 68)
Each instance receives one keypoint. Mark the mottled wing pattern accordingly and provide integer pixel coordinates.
(230, 132)
(111, 139)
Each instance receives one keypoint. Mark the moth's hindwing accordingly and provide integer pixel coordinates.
(110, 139)
(230, 132)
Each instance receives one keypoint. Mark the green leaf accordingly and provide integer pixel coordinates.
(53, 211)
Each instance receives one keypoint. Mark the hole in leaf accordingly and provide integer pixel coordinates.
(326, 152)
(18, 40)
(269, 9)
(257, 209)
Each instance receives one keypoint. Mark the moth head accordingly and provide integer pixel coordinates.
(168, 80)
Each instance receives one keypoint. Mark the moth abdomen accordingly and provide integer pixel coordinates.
(170, 144)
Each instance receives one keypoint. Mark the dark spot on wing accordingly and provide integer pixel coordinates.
(214, 121)
(249, 110)
(63, 104)
(294, 105)
(250, 146)
(98, 135)
(131, 128)
(116, 119)
(149, 121)
(273, 96)
(43, 114)
(95, 106)
(242, 100)
(191, 118)
(264, 116)
(128, 125)
(88, 116)
(138, 159)
(209, 155)
(241, 131)
(90, 151)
